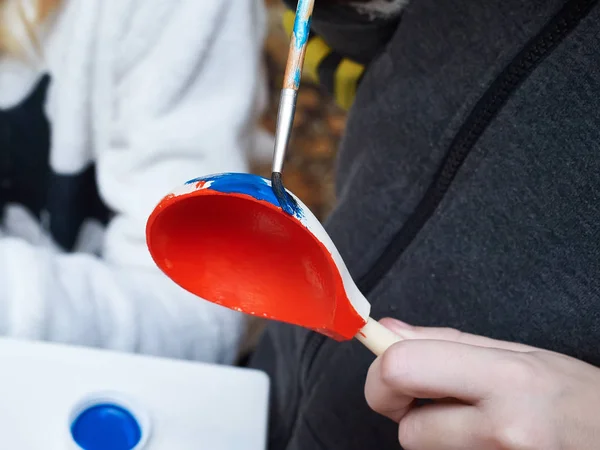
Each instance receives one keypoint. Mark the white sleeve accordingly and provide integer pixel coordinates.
(183, 106)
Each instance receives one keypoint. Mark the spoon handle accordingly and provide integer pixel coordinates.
(376, 337)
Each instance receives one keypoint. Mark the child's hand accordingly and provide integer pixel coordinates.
(487, 394)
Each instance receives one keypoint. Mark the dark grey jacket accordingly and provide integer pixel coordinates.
(469, 197)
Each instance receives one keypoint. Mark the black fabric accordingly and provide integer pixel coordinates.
(480, 117)
(26, 178)
(327, 70)
(349, 33)
(24, 147)
(510, 251)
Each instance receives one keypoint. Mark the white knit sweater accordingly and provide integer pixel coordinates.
(154, 92)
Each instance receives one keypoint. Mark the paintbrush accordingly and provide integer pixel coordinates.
(287, 103)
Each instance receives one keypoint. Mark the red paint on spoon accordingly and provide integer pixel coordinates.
(245, 254)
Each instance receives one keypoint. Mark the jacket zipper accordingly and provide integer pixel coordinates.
(480, 117)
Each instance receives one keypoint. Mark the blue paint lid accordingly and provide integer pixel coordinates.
(106, 426)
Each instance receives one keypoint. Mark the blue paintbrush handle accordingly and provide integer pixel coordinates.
(299, 41)
(291, 82)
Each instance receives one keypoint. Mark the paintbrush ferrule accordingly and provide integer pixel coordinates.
(285, 121)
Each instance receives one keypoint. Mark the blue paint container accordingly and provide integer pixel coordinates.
(108, 422)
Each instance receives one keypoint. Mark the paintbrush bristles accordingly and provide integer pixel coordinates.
(286, 201)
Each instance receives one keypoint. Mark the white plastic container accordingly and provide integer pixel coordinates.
(51, 395)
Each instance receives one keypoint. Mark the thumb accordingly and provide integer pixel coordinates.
(452, 335)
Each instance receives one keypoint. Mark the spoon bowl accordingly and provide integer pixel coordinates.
(225, 239)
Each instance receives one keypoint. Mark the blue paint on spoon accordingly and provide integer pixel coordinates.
(252, 185)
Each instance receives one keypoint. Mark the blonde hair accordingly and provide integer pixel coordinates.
(43, 9)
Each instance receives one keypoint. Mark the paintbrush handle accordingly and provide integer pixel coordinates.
(291, 82)
(298, 44)
(376, 337)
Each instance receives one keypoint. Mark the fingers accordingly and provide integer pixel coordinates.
(451, 426)
(464, 373)
(430, 369)
(382, 397)
(450, 334)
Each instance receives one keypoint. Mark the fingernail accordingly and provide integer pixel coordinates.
(395, 324)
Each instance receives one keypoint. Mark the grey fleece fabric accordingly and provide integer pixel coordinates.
(511, 252)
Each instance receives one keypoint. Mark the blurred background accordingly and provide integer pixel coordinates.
(317, 127)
